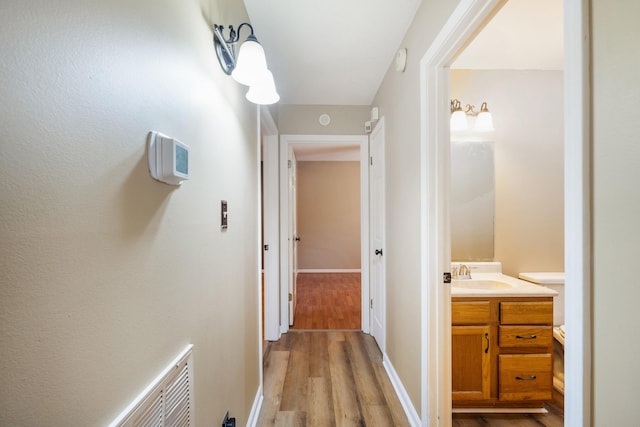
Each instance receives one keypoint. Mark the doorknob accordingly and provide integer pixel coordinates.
(378, 252)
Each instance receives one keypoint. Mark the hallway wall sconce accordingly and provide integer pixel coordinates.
(248, 66)
(459, 121)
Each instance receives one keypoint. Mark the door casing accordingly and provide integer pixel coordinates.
(466, 20)
(363, 142)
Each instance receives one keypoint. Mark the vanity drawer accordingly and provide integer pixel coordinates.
(526, 313)
(470, 313)
(525, 336)
(525, 376)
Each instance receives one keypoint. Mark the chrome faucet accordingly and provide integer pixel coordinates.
(464, 272)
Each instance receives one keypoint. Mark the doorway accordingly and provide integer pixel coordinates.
(465, 21)
(289, 237)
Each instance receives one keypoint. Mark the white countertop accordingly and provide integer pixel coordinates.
(513, 287)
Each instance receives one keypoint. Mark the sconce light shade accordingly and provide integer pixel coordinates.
(249, 67)
(484, 121)
(263, 92)
(459, 121)
(251, 62)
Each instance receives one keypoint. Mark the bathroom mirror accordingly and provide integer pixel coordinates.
(472, 195)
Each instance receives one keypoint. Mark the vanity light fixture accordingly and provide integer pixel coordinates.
(459, 122)
(248, 66)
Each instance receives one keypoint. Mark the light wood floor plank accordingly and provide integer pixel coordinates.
(366, 383)
(320, 405)
(319, 356)
(276, 365)
(294, 392)
(345, 403)
(291, 419)
(395, 407)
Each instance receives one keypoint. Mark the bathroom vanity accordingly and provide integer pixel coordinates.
(501, 343)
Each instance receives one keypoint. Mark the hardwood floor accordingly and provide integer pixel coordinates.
(328, 378)
(555, 418)
(328, 301)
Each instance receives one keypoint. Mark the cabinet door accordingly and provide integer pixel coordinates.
(470, 363)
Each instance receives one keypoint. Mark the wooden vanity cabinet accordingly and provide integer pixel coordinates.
(502, 351)
(471, 350)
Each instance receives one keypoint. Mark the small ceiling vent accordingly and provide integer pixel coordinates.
(167, 401)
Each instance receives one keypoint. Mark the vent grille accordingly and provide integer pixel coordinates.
(167, 402)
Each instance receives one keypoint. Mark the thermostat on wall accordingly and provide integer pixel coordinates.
(168, 159)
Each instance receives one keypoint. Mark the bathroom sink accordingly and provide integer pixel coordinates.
(489, 285)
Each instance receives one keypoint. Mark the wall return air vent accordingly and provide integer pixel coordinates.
(167, 401)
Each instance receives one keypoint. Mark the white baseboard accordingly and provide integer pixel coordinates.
(329, 270)
(255, 409)
(405, 400)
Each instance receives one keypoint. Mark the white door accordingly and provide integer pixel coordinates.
(293, 235)
(377, 306)
(271, 242)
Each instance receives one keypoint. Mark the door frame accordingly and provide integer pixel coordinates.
(363, 142)
(271, 267)
(466, 20)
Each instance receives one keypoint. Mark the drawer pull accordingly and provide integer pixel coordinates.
(530, 337)
(531, 378)
(486, 336)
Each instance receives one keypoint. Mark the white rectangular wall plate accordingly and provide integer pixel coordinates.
(168, 159)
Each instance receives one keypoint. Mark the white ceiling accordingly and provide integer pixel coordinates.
(336, 52)
(330, 52)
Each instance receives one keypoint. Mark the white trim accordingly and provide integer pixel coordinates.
(270, 146)
(363, 142)
(255, 408)
(577, 223)
(405, 400)
(329, 270)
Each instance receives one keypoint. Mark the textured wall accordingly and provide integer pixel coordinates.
(616, 209)
(328, 196)
(105, 274)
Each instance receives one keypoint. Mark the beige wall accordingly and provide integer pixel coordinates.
(328, 198)
(527, 109)
(399, 102)
(303, 119)
(616, 209)
(105, 274)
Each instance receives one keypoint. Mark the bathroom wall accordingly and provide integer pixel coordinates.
(328, 197)
(527, 109)
(106, 275)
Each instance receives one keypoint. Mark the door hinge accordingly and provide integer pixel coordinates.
(290, 297)
(371, 304)
(447, 277)
(371, 158)
(289, 164)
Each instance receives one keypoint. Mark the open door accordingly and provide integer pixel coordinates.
(377, 223)
(292, 235)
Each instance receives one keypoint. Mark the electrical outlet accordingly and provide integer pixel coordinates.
(228, 422)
